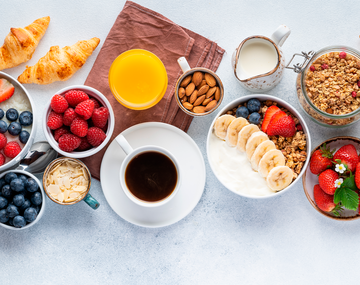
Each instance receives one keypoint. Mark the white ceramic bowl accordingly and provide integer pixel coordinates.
(92, 92)
(40, 214)
(30, 141)
(262, 97)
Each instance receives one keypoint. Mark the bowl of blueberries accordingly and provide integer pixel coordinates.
(22, 200)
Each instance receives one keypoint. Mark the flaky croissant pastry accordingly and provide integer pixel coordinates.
(59, 64)
(20, 43)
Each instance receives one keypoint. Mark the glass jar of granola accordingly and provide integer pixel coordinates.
(328, 85)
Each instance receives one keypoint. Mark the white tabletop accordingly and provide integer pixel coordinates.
(226, 239)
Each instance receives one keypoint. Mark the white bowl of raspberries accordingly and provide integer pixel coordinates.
(79, 121)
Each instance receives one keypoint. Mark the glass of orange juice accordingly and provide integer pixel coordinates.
(138, 79)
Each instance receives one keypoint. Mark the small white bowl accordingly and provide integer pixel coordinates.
(92, 92)
(262, 97)
(40, 214)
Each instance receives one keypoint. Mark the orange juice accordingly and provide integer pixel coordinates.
(138, 79)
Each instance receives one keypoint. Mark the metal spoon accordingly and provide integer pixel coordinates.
(38, 158)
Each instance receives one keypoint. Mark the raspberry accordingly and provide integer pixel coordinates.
(74, 97)
(69, 116)
(69, 142)
(299, 127)
(84, 145)
(55, 120)
(312, 68)
(59, 104)
(342, 54)
(100, 117)
(95, 136)
(59, 132)
(96, 102)
(85, 109)
(353, 94)
(12, 149)
(324, 66)
(2, 159)
(79, 127)
(3, 141)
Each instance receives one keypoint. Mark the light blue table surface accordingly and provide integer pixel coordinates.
(226, 239)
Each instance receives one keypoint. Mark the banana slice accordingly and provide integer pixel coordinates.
(233, 130)
(253, 142)
(271, 159)
(279, 178)
(259, 152)
(244, 135)
(221, 125)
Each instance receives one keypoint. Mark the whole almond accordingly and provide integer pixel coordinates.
(203, 90)
(217, 94)
(193, 96)
(187, 105)
(181, 92)
(206, 101)
(199, 100)
(184, 99)
(197, 77)
(199, 109)
(210, 92)
(190, 89)
(203, 82)
(210, 80)
(210, 106)
(185, 81)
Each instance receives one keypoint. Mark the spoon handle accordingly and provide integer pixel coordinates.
(91, 201)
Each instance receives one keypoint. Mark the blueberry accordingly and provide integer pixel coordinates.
(37, 208)
(6, 191)
(3, 127)
(23, 178)
(254, 118)
(25, 205)
(30, 214)
(12, 211)
(26, 118)
(3, 202)
(24, 136)
(2, 182)
(19, 222)
(18, 200)
(14, 129)
(17, 185)
(10, 176)
(12, 114)
(253, 105)
(36, 198)
(31, 185)
(1, 113)
(11, 222)
(3, 216)
(242, 112)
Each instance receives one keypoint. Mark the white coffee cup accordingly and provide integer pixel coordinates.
(132, 153)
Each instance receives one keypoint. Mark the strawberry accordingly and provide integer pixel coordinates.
(79, 127)
(84, 145)
(59, 132)
(6, 89)
(59, 104)
(69, 142)
(69, 116)
(357, 175)
(74, 97)
(96, 103)
(100, 117)
(267, 117)
(3, 141)
(276, 117)
(321, 160)
(55, 120)
(12, 149)
(327, 180)
(95, 136)
(2, 159)
(325, 201)
(348, 156)
(85, 109)
(285, 127)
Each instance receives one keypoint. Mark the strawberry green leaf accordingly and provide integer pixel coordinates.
(349, 198)
(349, 183)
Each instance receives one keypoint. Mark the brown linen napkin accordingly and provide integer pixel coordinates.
(139, 27)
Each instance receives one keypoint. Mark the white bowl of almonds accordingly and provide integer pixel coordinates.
(258, 146)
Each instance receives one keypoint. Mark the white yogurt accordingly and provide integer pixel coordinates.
(234, 170)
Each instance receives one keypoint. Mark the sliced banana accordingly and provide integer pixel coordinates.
(279, 178)
(259, 152)
(244, 135)
(253, 142)
(233, 130)
(271, 159)
(221, 125)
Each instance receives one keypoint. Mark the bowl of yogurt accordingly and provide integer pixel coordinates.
(250, 161)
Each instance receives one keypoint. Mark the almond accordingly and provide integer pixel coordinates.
(206, 101)
(210, 92)
(187, 105)
(203, 82)
(197, 78)
(203, 90)
(190, 89)
(181, 92)
(199, 109)
(210, 80)
(193, 96)
(184, 99)
(217, 94)
(185, 81)
(199, 100)
(210, 106)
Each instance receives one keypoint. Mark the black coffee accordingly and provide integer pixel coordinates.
(151, 176)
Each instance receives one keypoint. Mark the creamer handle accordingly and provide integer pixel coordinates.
(184, 65)
(280, 35)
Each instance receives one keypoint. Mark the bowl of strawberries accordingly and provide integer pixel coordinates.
(332, 179)
(78, 121)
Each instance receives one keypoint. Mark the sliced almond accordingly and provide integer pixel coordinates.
(203, 82)
(190, 89)
(185, 81)
(199, 100)
(187, 105)
(203, 90)
(206, 101)
(193, 96)
(197, 77)
(199, 109)
(217, 94)
(210, 80)
(210, 92)
(210, 106)
(181, 92)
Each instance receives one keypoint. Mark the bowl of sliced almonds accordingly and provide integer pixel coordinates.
(258, 146)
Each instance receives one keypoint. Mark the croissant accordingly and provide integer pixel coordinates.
(20, 43)
(59, 64)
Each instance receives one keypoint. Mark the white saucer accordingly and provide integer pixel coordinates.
(192, 169)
